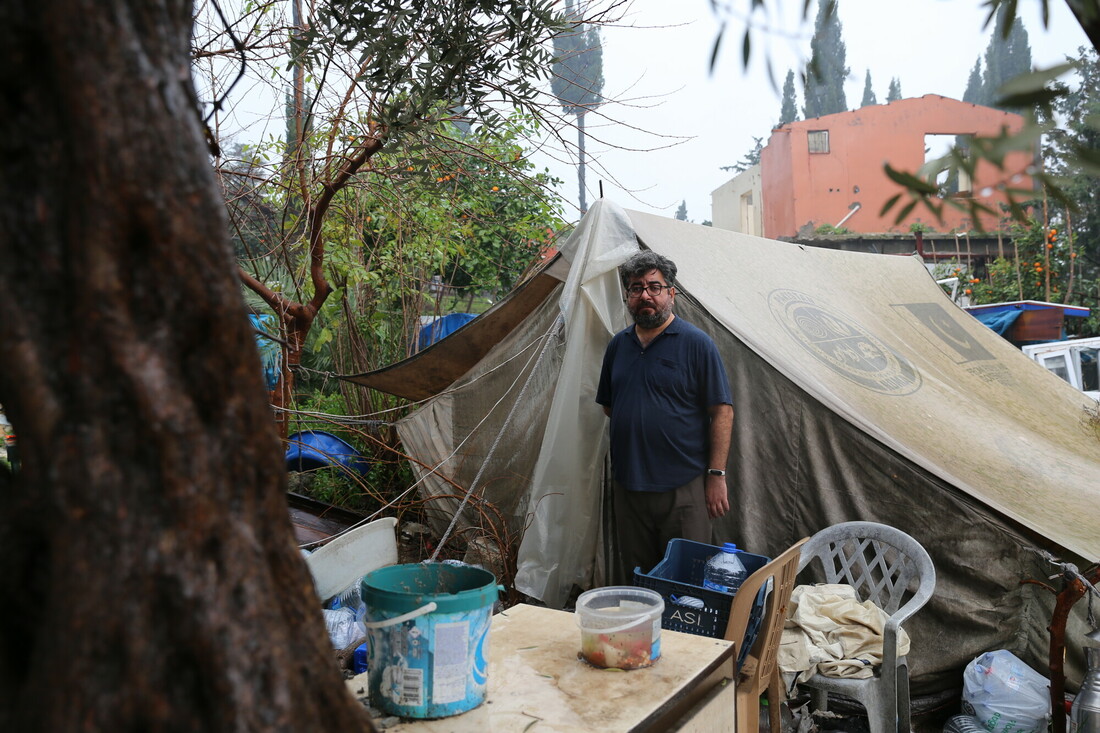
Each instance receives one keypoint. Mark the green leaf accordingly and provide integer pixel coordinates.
(910, 182)
(1029, 98)
(905, 211)
(716, 47)
(1035, 80)
(890, 202)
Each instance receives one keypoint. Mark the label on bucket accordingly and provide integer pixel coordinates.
(449, 667)
(410, 687)
(431, 666)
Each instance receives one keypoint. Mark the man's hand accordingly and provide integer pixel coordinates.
(718, 499)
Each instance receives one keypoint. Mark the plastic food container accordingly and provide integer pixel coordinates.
(620, 626)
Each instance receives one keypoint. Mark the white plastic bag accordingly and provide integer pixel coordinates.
(342, 628)
(1007, 695)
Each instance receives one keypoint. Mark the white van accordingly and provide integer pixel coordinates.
(1076, 360)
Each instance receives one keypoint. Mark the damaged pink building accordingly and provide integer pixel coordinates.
(829, 170)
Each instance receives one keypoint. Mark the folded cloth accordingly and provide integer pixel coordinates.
(829, 630)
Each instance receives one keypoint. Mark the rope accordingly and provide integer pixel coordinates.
(557, 325)
(457, 448)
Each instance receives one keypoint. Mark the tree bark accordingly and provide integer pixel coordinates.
(147, 560)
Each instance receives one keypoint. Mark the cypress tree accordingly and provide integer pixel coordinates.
(1007, 56)
(749, 159)
(868, 92)
(577, 79)
(975, 89)
(826, 72)
(893, 94)
(789, 111)
(682, 212)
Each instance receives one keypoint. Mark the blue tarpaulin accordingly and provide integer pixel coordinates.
(442, 327)
(998, 320)
(313, 449)
(271, 353)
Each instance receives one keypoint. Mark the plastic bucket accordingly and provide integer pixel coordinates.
(428, 629)
(620, 626)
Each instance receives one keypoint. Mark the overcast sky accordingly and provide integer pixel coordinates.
(695, 122)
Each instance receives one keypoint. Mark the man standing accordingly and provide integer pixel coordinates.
(665, 389)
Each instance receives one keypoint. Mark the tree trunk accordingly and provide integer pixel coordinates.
(147, 561)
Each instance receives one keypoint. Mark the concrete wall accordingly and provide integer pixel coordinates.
(736, 204)
(803, 190)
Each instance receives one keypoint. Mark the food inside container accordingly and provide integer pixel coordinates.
(620, 627)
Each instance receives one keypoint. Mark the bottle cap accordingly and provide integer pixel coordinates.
(730, 547)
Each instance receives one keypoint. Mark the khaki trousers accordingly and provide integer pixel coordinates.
(646, 520)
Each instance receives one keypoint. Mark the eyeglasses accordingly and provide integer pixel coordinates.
(654, 289)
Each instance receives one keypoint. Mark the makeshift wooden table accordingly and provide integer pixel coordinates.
(538, 683)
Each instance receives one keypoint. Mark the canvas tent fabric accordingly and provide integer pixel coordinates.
(860, 392)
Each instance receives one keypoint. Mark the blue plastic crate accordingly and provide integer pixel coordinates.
(679, 576)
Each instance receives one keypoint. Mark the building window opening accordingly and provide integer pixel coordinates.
(951, 179)
(819, 141)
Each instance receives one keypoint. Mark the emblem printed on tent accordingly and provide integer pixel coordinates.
(844, 346)
(961, 345)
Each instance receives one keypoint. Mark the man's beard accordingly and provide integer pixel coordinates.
(651, 320)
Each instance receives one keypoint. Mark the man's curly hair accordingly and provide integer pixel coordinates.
(642, 262)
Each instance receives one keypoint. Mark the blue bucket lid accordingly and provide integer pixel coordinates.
(453, 588)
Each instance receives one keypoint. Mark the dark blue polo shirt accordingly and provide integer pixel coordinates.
(659, 398)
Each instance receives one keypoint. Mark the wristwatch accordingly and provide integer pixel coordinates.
(715, 472)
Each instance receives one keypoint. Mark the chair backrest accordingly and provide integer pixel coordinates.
(783, 569)
(883, 564)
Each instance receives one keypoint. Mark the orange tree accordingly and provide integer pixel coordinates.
(1043, 267)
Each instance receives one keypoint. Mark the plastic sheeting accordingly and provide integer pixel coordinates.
(271, 353)
(999, 321)
(313, 449)
(564, 503)
(442, 327)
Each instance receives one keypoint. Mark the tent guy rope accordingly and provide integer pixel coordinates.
(557, 325)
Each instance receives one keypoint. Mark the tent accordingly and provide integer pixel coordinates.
(861, 392)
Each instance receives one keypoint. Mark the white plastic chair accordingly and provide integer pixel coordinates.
(891, 569)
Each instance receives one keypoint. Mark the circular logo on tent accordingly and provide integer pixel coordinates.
(843, 345)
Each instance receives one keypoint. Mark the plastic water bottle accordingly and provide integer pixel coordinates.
(725, 572)
(964, 724)
(1085, 714)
